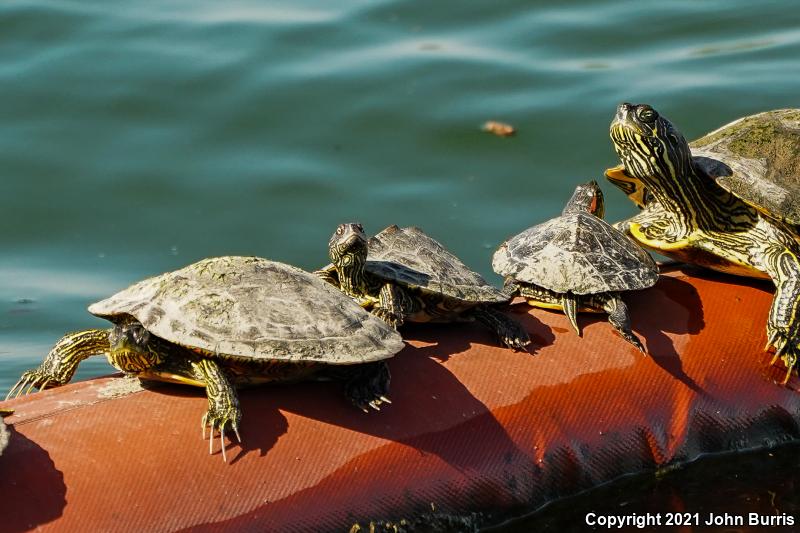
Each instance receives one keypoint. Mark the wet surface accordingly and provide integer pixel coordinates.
(763, 483)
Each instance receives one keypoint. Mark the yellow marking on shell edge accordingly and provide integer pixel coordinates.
(638, 234)
(557, 307)
(170, 378)
(692, 250)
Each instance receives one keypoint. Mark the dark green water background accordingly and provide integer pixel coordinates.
(138, 137)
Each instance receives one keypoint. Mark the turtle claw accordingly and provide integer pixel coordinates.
(26, 381)
(368, 386)
(21, 388)
(771, 340)
(31, 379)
(218, 421)
(11, 391)
(786, 349)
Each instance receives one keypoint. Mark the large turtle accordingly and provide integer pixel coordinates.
(729, 201)
(230, 321)
(402, 274)
(577, 262)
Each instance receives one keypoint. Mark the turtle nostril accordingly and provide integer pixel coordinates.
(623, 109)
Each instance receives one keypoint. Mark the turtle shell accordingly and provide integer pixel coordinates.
(757, 158)
(254, 308)
(576, 253)
(410, 258)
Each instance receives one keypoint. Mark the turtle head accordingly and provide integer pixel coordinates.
(348, 245)
(348, 251)
(649, 146)
(587, 198)
(130, 347)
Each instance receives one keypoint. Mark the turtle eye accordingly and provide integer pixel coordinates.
(647, 114)
(339, 230)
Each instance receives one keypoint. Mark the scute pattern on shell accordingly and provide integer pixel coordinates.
(576, 253)
(413, 259)
(254, 308)
(757, 158)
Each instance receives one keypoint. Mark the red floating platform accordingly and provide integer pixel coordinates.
(475, 431)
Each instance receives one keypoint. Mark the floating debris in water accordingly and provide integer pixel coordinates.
(500, 129)
(25, 301)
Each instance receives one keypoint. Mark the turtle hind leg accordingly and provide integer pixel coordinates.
(620, 319)
(783, 323)
(510, 332)
(511, 287)
(367, 385)
(570, 304)
(60, 364)
(223, 404)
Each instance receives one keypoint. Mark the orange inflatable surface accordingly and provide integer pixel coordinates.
(475, 432)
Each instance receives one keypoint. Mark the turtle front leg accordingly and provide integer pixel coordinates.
(394, 304)
(223, 404)
(619, 318)
(651, 216)
(60, 364)
(784, 315)
(510, 332)
(367, 385)
(328, 275)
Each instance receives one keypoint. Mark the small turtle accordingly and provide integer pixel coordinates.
(729, 201)
(402, 274)
(577, 262)
(230, 321)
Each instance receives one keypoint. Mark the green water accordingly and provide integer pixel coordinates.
(138, 137)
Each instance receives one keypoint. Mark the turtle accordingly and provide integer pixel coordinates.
(577, 262)
(403, 275)
(232, 321)
(729, 201)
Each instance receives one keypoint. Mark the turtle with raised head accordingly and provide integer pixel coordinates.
(729, 201)
(402, 274)
(577, 262)
(230, 321)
